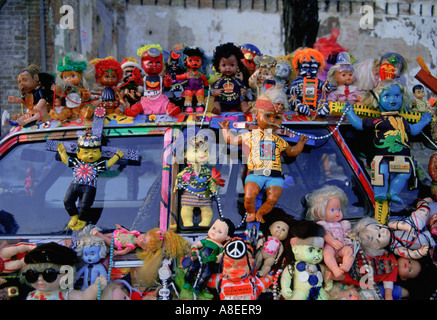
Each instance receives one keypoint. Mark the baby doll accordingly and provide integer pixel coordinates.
(420, 103)
(264, 163)
(87, 165)
(326, 206)
(229, 91)
(263, 77)
(341, 75)
(43, 273)
(93, 250)
(207, 253)
(60, 112)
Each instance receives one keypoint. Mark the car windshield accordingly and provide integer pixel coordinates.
(33, 184)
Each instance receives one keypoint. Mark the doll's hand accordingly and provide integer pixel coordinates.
(102, 280)
(224, 124)
(84, 94)
(120, 154)
(14, 100)
(426, 117)
(217, 92)
(336, 244)
(286, 293)
(243, 92)
(423, 251)
(61, 147)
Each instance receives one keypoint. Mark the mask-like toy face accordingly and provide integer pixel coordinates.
(89, 154)
(71, 77)
(197, 155)
(391, 99)
(308, 253)
(282, 71)
(194, 62)
(152, 65)
(109, 78)
(26, 83)
(309, 69)
(91, 254)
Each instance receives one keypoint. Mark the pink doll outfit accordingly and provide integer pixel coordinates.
(344, 94)
(124, 239)
(155, 106)
(339, 230)
(271, 246)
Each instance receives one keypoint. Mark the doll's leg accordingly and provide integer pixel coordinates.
(187, 216)
(381, 191)
(251, 191)
(135, 110)
(70, 204)
(266, 266)
(273, 193)
(88, 195)
(331, 262)
(216, 108)
(396, 185)
(207, 214)
(348, 258)
(188, 98)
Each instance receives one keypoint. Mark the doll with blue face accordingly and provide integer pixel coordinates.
(392, 164)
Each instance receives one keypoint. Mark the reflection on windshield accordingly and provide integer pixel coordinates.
(33, 186)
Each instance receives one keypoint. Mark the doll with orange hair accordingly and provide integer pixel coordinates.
(306, 89)
(109, 74)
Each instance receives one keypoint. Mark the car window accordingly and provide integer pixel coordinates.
(33, 184)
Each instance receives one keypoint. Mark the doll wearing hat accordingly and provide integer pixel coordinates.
(87, 165)
(266, 147)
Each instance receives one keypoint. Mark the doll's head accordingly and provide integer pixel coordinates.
(197, 150)
(374, 237)
(193, 57)
(221, 230)
(342, 73)
(175, 62)
(265, 64)
(419, 91)
(270, 107)
(74, 71)
(28, 79)
(108, 72)
(89, 148)
(309, 250)
(249, 53)
(326, 204)
(283, 70)
(227, 59)
(308, 62)
(399, 63)
(408, 268)
(388, 95)
(91, 248)
(128, 65)
(43, 266)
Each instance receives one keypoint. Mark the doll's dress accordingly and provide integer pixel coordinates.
(345, 94)
(50, 295)
(271, 246)
(195, 185)
(339, 231)
(124, 239)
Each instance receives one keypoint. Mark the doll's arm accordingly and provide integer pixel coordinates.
(297, 149)
(113, 160)
(12, 99)
(418, 127)
(62, 153)
(229, 137)
(329, 239)
(355, 120)
(410, 253)
(91, 292)
(388, 290)
(399, 225)
(286, 279)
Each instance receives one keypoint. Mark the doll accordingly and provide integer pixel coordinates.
(366, 74)
(43, 273)
(229, 91)
(420, 103)
(153, 100)
(60, 112)
(197, 182)
(93, 250)
(195, 80)
(109, 74)
(120, 289)
(399, 64)
(29, 182)
(131, 92)
(283, 73)
(266, 147)
(35, 93)
(74, 80)
(307, 90)
(263, 77)
(390, 133)
(207, 253)
(176, 66)
(250, 52)
(87, 165)
(303, 278)
(326, 206)
(12, 256)
(341, 75)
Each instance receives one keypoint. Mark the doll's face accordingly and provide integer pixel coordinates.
(419, 93)
(228, 66)
(391, 99)
(377, 235)
(152, 65)
(43, 280)
(72, 77)
(269, 119)
(127, 73)
(26, 83)
(109, 78)
(194, 62)
(265, 73)
(333, 211)
(91, 254)
(89, 154)
(408, 268)
(279, 230)
(344, 78)
(219, 231)
(282, 71)
(309, 69)
(197, 155)
(309, 254)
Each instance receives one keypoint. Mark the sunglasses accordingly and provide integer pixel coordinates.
(49, 275)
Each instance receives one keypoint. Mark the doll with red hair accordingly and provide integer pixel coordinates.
(109, 74)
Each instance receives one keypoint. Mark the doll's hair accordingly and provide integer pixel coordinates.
(371, 98)
(417, 87)
(318, 199)
(108, 64)
(86, 239)
(88, 74)
(340, 68)
(266, 101)
(364, 74)
(359, 230)
(305, 55)
(225, 51)
(33, 69)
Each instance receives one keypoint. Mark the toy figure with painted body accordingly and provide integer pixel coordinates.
(153, 100)
(264, 77)
(35, 93)
(43, 273)
(176, 66)
(198, 182)
(60, 111)
(93, 250)
(326, 206)
(74, 80)
(87, 165)
(250, 52)
(109, 74)
(341, 75)
(131, 92)
(196, 82)
(229, 91)
(266, 147)
(392, 163)
(207, 253)
(420, 103)
(303, 278)
(283, 72)
(306, 90)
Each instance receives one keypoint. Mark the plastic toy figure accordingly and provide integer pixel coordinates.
(325, 206)
(12, 256)
(153, 100)
(306, 89)
(196, 81)
(176, 66)
(109, 74)
(87, 165)
(250, 52)
(263, 77)
(341, 75)
(303, 279)
(392, 162)
(283, 72)
(92, 250)
(197, 182)
(206, 253)
(74, 80)
(266, 147)
(35, 93)
(229, 91)
(399, 64)
(42, 272)
(60, 112)
(420, 103)
(131, 92)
